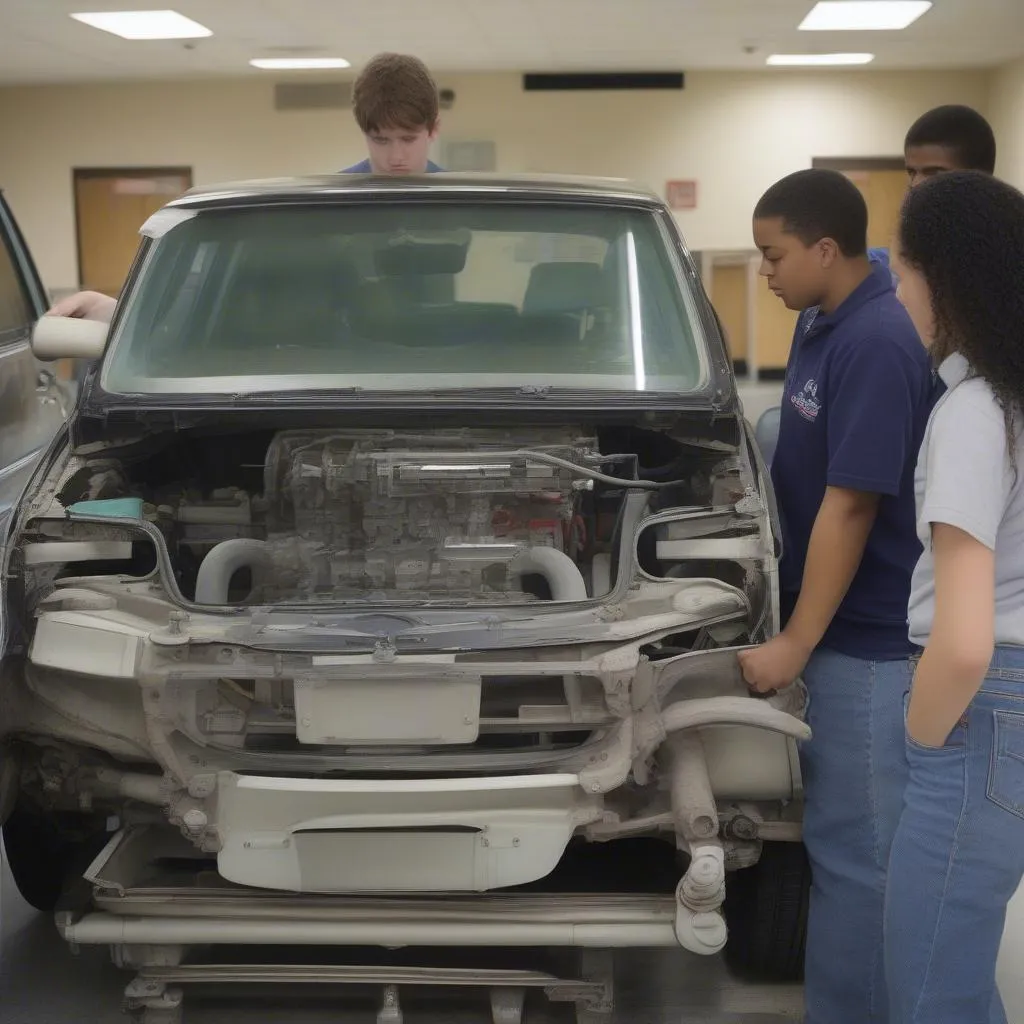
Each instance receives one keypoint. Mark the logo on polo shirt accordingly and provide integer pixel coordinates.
(806, 401)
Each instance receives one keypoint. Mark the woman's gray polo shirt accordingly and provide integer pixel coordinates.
(964, 479)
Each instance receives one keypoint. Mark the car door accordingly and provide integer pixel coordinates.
(33, 403)
(33, 406)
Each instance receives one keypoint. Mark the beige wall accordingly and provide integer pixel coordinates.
(1007, 112)
(734, 133)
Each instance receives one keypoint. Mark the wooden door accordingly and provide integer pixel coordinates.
(883, 191)
(758, 326)
(111, 205)
(729, 297)
(775, 326)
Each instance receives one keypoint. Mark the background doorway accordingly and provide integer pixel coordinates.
(111, 204)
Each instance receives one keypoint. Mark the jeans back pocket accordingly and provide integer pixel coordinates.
(1006, 771)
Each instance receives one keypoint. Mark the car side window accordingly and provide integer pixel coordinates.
(16, 312)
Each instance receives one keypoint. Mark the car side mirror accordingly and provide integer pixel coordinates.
(62, 337)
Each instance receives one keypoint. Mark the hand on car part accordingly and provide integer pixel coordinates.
(85, 306)
(774, 665)
(834, 552)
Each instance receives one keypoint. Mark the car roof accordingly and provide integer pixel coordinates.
(353, 187)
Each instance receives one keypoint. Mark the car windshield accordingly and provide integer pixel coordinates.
(398, 296)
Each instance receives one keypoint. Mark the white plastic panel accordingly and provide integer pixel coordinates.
(421, 835)
(387, 711)
(89, 646)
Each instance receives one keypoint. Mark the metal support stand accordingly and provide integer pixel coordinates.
(390, 1011)
(166, 948)
(155, 996)
(152, 1002)
(594, 996)
(507, 1005)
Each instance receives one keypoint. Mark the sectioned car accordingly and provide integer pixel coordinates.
(392, 570)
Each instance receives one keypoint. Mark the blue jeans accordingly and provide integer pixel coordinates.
(958, 859)
(854, 770)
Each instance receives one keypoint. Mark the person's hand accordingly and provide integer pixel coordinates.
(930, 721)
(774, 665)
(85, 306)
(923, 731)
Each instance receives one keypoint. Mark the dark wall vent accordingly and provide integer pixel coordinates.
(590, 81)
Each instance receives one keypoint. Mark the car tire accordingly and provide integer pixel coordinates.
(43, 850)
(766, 913)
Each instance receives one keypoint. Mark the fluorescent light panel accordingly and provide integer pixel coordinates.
(819, 60)
(145, 24)
(864, 15)
(299, 63)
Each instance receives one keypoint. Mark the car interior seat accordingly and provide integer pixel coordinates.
(559, 296)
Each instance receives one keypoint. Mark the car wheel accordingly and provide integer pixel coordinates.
(766, 912)
(43, 850)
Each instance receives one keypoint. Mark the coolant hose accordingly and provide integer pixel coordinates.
(699, 712)
(560, 571)
(214, 580)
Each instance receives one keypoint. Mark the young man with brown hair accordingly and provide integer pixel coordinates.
(395, 102)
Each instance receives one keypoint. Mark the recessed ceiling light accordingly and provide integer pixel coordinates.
(818, 60)
(145, 24)
(864, 15)
(299, 63)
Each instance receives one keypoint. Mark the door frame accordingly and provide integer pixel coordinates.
(82, 173)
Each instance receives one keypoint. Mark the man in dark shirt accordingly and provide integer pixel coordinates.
(949, 138)
(858, 392)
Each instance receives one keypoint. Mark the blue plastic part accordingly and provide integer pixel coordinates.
(116, 508)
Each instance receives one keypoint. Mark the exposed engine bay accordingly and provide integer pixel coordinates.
(472, 515)
(437, 515)
(192, 561)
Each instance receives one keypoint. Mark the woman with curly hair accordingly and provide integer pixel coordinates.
(958, 855)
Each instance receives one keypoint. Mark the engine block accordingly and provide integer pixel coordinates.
(439, 514)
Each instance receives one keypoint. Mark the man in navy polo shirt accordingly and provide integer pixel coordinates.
(859, 389)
